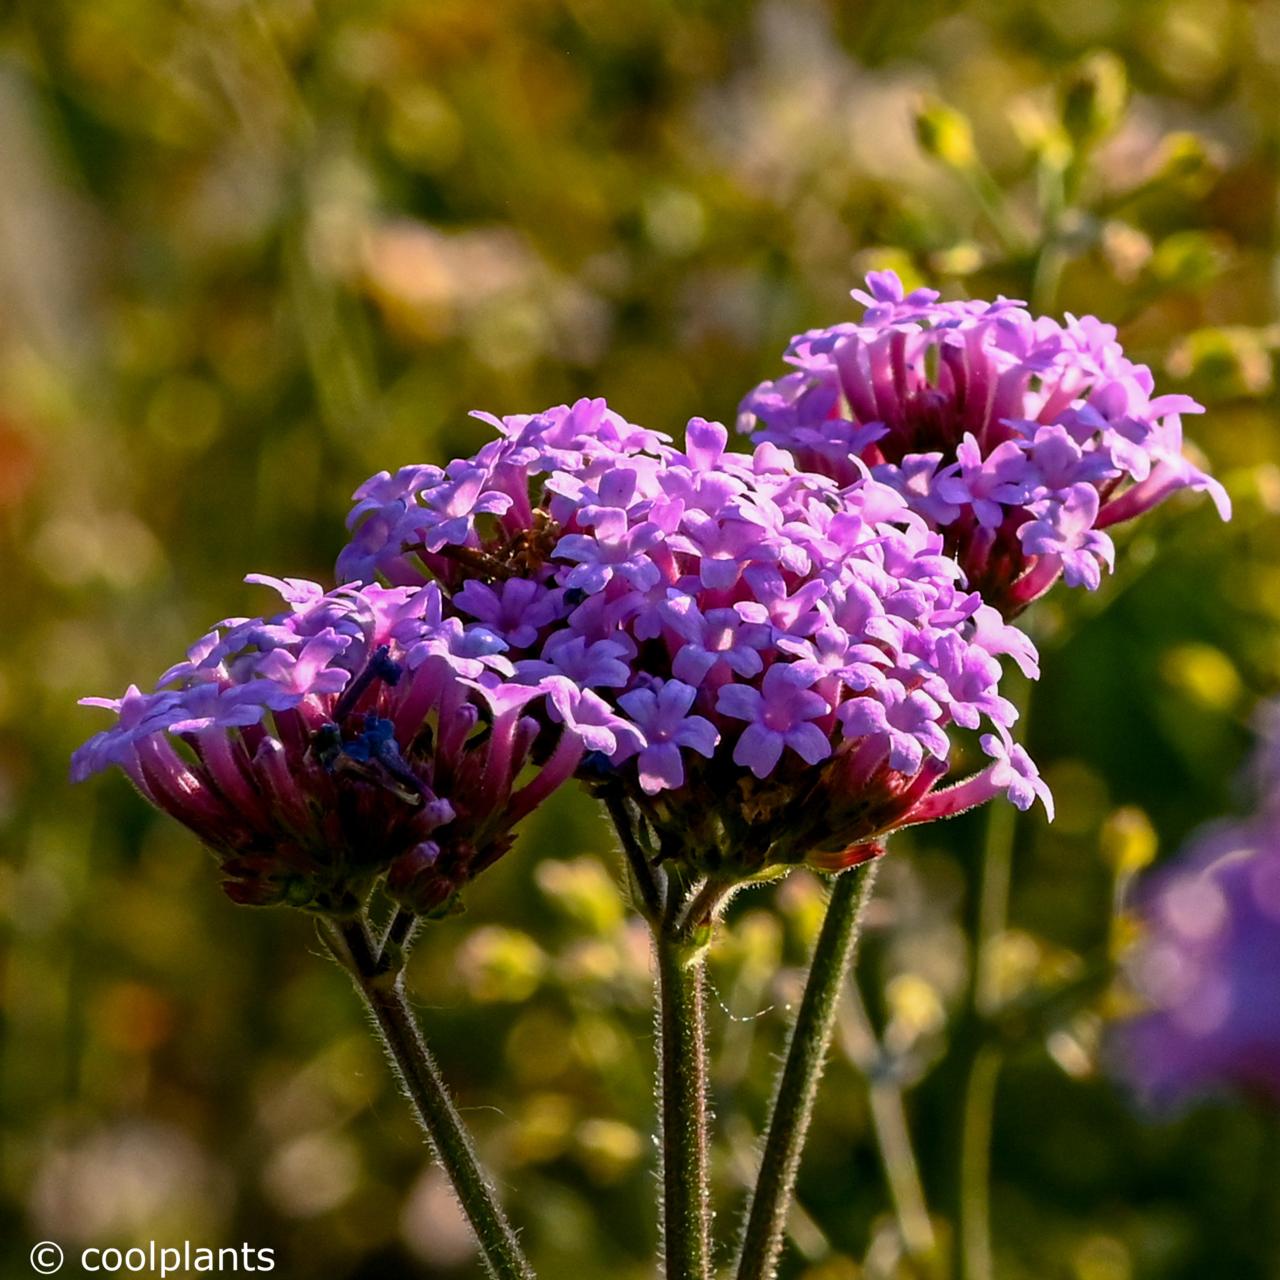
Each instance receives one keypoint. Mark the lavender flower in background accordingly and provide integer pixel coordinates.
(1205, 967)
(357, 735)
(1020, 438)
(767, 664)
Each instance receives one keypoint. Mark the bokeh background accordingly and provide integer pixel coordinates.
(252, 252)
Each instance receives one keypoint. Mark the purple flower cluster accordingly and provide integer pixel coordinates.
(361, 733)
(1205, 968)
(769, 654)
(1020, 438)
(770, 665)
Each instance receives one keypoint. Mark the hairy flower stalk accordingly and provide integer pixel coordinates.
(359, 738)
(1020, 438)
(797, 1086)
(382, 989)
(682, 1084)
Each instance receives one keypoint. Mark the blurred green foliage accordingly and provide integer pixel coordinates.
(251, 252)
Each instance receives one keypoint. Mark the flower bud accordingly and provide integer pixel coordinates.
(1128, 840)
(945, 134)
(1094, 98)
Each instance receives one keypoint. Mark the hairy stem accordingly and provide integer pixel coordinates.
(801, 1074)
(676, 916)
(396, 938)
(683, 1082)
(382, 989)
(893, 1137)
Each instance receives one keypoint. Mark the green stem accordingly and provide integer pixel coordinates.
(683, 1083)
(892, 1133)
(382, 989)
(973, 1258)
(800, 1076)
(975, 1165)
(993, 906)
(991, 199)
(1046, 271)
(893, 1137)
(396, 939)
(679, 918)
(984, 1053)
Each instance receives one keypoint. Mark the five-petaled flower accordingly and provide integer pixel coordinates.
(779, 715)
(662, 716)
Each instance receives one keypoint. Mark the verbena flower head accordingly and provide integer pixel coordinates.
(1020, 438)
(356, 735)
(1205, 968)
(770, 666)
